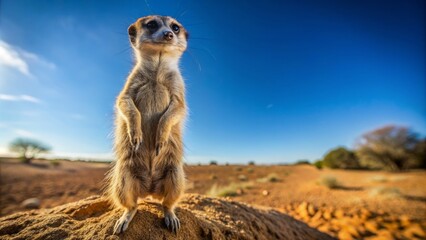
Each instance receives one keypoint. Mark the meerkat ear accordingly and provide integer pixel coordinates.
(186, 35)
(132, 33)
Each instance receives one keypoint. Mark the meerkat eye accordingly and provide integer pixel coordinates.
(152, 25)
(175, 28)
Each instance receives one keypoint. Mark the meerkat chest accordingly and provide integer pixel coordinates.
(153, 98)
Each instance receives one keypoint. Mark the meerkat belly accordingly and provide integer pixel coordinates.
(153, 101)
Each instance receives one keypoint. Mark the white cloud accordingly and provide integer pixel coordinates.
(77, 116)
(24, 133)
(19, 59)
(16, 98)
(10, 57)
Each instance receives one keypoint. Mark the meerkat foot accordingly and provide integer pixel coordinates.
(172, 222)
(123, 223)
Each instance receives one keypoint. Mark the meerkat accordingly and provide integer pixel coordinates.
(150, 113)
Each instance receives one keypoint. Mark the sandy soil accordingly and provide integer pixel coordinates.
(296, 191)
(201, 218)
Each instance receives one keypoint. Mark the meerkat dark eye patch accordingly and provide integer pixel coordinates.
(175, 28)
(152, 26)
(132, 33)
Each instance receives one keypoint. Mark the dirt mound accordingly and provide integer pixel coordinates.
(201, 218)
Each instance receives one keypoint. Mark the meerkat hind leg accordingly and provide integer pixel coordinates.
(122, 223)
(173, 186)
(170, 218)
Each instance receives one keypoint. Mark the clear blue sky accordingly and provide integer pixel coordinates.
(269, 81)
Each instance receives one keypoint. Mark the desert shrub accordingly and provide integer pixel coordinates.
(250, 170)
(242, 177)
(272, 177)
(238, 169)
(28, 149)
(55, 163)
(386, 192)
(379, 178)
(230, 190)
(213, 177)
(329, 182)
(391, 148)
(318, 164)
(341, 158)
(251, 163)
(213, 163)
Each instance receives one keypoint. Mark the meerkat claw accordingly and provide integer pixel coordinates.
(137, 146)
(172, 223)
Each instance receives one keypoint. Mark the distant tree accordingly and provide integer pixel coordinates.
(213, 162)
(251, 163)
(28, 149)
(302, 162)
(421, 153)
(392, 148)
(340, 158)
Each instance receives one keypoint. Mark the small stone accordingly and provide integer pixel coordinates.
(353, 231)
(393, 226)
(302, 210)
(326, 215)
(265, 192)
(317, 216)
(365, 214)
(324, 228)
(344, 235)
(414, 230)
(385, 234)
(240, 191)
(339, 214)
(311, 209)
(31, 203)
(371, 226)
(404, 220)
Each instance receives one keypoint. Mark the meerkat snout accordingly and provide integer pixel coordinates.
(168, 35)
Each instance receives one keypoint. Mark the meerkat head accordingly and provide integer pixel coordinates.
(158, 34)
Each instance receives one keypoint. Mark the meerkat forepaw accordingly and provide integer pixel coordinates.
(135, 139)
(172, 222)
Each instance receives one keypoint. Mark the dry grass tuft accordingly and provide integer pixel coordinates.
(272, 177)
(242, 177)
(379, 178)
(329, 182)
(231, 190)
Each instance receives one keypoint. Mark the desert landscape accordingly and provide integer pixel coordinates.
(343, 204)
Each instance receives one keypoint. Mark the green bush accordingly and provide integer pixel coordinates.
(341, 158)
(318, 164)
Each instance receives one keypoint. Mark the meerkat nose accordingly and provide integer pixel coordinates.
(168, 35)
